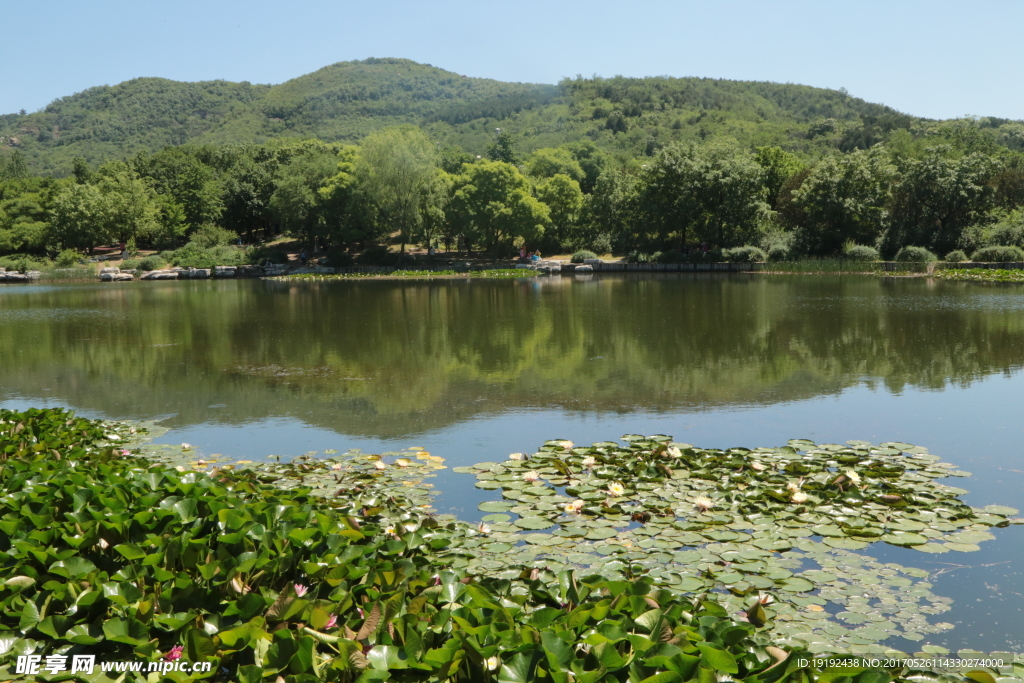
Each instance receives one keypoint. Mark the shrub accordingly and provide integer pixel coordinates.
(860, 252)
(744, 254)
(209, 235)
(673, 256)
(194, 256)
(956, 256)
(915, 255)
(998, 254)
(637, 256)
(582, 255)
(378, 255)
(602, 244)
(68, 258)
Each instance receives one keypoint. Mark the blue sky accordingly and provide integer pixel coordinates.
(937, 59)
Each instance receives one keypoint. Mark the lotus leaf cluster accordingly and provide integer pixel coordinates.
(338, 569)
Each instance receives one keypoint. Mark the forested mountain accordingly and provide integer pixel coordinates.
(345, 101)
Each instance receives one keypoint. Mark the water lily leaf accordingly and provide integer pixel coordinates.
(904, 538)
(797, 585)
(962, 547)
(533, 523)
(494, 506)
(1001, 510)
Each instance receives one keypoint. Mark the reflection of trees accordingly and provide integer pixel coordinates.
(387, 358)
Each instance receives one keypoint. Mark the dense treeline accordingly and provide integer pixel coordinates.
(954, 188)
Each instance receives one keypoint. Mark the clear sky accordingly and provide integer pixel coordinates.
(933, 58)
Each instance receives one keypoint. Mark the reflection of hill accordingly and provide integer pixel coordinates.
(390, 358)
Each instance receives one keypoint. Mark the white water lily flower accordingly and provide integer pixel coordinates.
(103, 544)
(852, 476)
(798, 497)
(483, 528)
(516, 456)
(186, 446)
(574, 507)
(532, 475)
(113, 437)
(180, 468)
(589, 461)
(336, 466)
(410, 527)
(402, 462)
(616, 489)
(380, 465)
(390, 530)
(792, 487)
(493, 663)
(703, 503)
(756, 466)
(673, 452)
(565, 443)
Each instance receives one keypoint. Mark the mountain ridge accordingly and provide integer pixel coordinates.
(347, 100)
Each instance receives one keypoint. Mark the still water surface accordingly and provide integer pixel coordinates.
(474, 370)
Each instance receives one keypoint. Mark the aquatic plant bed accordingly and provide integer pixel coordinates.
(980, 275)
(647, 560)
(420, 274)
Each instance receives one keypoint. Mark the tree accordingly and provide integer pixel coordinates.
(714, 193)
(394, 167)
(550, 161)
(78, 218)
(779, 166)
(843, 198)
(297, 202)
(503, 148)
(564, 199)
(491, 204)
(127, 203)
(937, 197)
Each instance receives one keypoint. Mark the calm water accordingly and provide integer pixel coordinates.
(474, 370)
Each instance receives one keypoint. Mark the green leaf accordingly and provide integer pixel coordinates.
(980, 676)
(717, 659)
(517, 669)
(130, 551)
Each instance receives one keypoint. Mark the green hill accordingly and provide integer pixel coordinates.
(345, 101)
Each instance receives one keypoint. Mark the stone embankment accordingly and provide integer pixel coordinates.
(14, 276)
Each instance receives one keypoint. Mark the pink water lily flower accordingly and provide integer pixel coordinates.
(301, 590)
(332, 622)
(174, 653)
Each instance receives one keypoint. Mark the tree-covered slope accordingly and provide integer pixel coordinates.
(345, 101)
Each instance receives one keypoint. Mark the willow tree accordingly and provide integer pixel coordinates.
(395, 167)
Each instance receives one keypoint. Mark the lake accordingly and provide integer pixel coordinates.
(473, 370)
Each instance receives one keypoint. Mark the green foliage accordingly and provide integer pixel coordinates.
(915, 255)
(193, 255)
(745, 254)
(998, 254)
(210, 235)
(68, 258)
(842, 198)
(128, 559)
(492, 205)
(956, 256)
(583, 255)
(712, 193)
(981, 275)
(860, 252)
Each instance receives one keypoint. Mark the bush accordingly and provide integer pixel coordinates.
(68, 258)
(264, 253)
(194, 256)
(602, 244)
(582, 255)
(378, 255)
(209, 235)
(998, 254)
(673, 256)
(860, 252)
(915, 255)
(956, 256)
(22, 263)
(744, 254)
